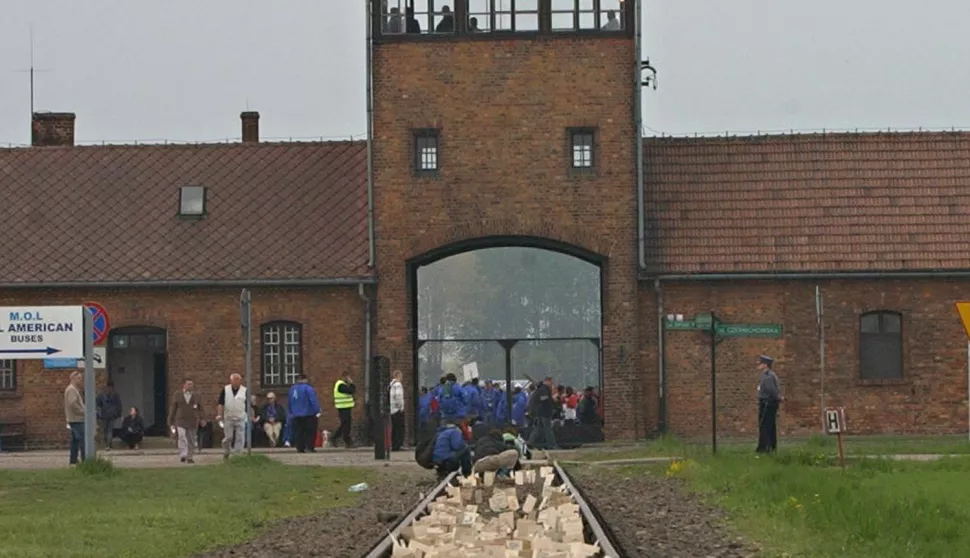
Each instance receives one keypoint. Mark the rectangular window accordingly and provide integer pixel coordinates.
(8, 375)
(583, 148)
(588, 15)
(192, 201)
(430, 16)
(880, 346)
(282, 353)
(426, 151)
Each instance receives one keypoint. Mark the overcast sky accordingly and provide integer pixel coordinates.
(183, 70)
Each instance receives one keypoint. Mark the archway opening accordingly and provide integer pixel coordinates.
(138, 366)
(511, 316)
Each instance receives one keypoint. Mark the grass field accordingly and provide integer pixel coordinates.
(100, 511)
(669, 446)
(799, 503)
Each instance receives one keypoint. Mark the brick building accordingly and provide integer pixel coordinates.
(520, 128)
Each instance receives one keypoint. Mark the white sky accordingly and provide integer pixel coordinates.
(182, 70)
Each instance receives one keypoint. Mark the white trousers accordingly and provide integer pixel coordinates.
(186, 443)
(234, 437)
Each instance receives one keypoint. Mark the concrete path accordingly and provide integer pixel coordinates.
(150, 458)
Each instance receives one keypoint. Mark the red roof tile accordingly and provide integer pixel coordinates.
(836, 202)
(94, 214)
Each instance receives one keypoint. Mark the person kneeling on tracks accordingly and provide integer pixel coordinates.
(492, 454)
(451, 453)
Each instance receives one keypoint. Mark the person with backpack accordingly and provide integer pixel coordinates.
(451, 400)
(493, 454)
(451, 453)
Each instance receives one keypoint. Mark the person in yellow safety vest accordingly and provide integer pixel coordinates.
(343, 401)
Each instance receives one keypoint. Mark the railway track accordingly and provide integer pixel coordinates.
(478, 517)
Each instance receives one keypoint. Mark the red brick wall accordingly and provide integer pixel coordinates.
(204, 343)
(931, 398)
(503, 108)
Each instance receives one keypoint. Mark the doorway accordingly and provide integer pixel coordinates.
(502, 316)
(138, 365)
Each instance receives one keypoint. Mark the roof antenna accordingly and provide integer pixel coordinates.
(32, 70)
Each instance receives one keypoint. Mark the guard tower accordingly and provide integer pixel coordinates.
(509, 119)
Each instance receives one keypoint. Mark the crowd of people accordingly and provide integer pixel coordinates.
(451, 410)
(188, 419)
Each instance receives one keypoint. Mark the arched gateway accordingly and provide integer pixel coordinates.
(503, 313)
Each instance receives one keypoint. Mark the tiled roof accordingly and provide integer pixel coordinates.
(109, 213)
(810, 203)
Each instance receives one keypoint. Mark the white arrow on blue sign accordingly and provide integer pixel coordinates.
(38, 332)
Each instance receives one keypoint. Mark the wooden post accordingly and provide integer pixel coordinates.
(841, 451)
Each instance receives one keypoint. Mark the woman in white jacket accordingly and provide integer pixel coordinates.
(397, 411)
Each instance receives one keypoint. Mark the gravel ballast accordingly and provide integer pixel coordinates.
(347, 532)
(655, 517)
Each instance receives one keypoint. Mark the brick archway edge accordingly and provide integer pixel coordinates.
(567, 238)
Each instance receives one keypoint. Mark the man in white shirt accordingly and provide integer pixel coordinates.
(612, 23)
(231, 409)
(397, 411)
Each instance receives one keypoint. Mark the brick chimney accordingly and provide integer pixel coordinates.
(250, 127)
(52, 128)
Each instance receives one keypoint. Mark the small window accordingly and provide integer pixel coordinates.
(588, 15)
(582, 141)
(192, 201)
(881, 346)
(8, 375)
(282, 349)
(426, 151)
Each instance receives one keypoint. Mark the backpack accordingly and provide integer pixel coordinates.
(424, 452)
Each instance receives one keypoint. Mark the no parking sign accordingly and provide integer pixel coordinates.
(99, 320)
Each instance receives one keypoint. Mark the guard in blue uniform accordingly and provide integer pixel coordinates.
(769, 397)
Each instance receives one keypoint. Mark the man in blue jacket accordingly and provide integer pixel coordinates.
(424, 407)
(473, 397)
(451, 400)
(520, 404)
(451, 453)
(304, 411)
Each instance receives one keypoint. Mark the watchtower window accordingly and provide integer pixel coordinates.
(583, 148)
(509, 18)
(418, 17)
(578, 15)
(426, 151)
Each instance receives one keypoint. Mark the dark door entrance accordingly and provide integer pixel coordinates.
(138, 366)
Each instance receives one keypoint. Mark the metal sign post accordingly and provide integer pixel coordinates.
(245, 319)
(90, 408)
(835, 424)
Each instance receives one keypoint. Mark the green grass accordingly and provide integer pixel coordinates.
(799, 503)
(98, 510)
(670, 446)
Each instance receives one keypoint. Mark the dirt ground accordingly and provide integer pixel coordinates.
(655, 517)
(343, 532)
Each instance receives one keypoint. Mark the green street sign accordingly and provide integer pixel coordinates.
(704, 321)
(749, 330)
(682, 325)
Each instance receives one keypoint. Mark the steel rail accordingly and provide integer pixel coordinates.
(603, 540)
(385, 547)
(603, 537)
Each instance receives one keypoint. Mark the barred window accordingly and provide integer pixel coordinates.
(282, 349)
(8, 375)
(881, 346)
(583, 147)
(426, 151)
